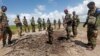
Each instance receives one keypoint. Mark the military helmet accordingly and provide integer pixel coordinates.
(90, 3)
(17, 16)
(4, 8)
(66, 11)
(74, 12)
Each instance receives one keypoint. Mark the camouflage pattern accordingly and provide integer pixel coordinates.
(75, 24)
(33, 24)
(50, 32)
(59, 24)
(25, 23)
(92, 27)
(39, 24)
(55, 24)
(4, 28)
(18, 25)
(68, 23)
(44, 25)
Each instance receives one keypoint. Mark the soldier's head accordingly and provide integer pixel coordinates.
(17, 16)
(4, 8)
(24, 17)
(74, 13)
(32, 17)
(66, 11)
(91, 5)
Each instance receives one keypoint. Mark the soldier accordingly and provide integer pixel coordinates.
(48, 22)
(39, 24)
(92, 25)
(50, 32)
(18, 25)
(33, 24)
(75, 24)
(55, 23)
(5, 29)
(59, 24)
(44, 25)
(25, 23)
(68, 23)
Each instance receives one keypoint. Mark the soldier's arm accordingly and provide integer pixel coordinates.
(85, 22)
(78, 21)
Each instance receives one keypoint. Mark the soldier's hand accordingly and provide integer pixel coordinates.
(83, 25)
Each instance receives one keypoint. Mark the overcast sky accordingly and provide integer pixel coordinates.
(52, 9)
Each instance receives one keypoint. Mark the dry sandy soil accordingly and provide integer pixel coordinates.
(34, 44)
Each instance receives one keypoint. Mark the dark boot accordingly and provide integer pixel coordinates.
(4, 43)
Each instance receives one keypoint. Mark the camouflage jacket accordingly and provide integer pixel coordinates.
(68, 20)
(3, 19)
(75, 21)
(25, 22)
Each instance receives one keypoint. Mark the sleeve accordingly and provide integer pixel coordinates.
(86, 22)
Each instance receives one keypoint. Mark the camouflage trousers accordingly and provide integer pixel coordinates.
(33, 28)
(40, 27)
(55, 26)
(50, 37)
(59, 26)
(92, 36)
(68, 30)
(6, 31)
(26, 28)
(74, 29)
(44, 27)
(19, 29)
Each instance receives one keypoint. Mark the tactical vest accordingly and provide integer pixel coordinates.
(91, 20)
(68, 20)
(4, 20)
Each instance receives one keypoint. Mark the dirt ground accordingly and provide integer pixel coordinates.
(34, 44)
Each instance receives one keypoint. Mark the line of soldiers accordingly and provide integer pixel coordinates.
(70, 24)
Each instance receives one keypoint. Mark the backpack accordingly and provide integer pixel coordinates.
(97, 11)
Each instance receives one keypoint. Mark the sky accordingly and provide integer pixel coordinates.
(52, 9)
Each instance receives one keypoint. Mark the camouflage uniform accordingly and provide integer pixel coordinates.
(5, 28)
(33, 24)
(68, 22)
(59, 24)
(50, 32)
(75, 24)
(92, 27)
(18, 25)
(44, 25)
(55, 23)
(39, 24)
(25, 23)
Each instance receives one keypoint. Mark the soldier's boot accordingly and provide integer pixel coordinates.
(4, 41)
(87, 44)
(50, 40)
(9, 39)
(89, 48)
(9, 35)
